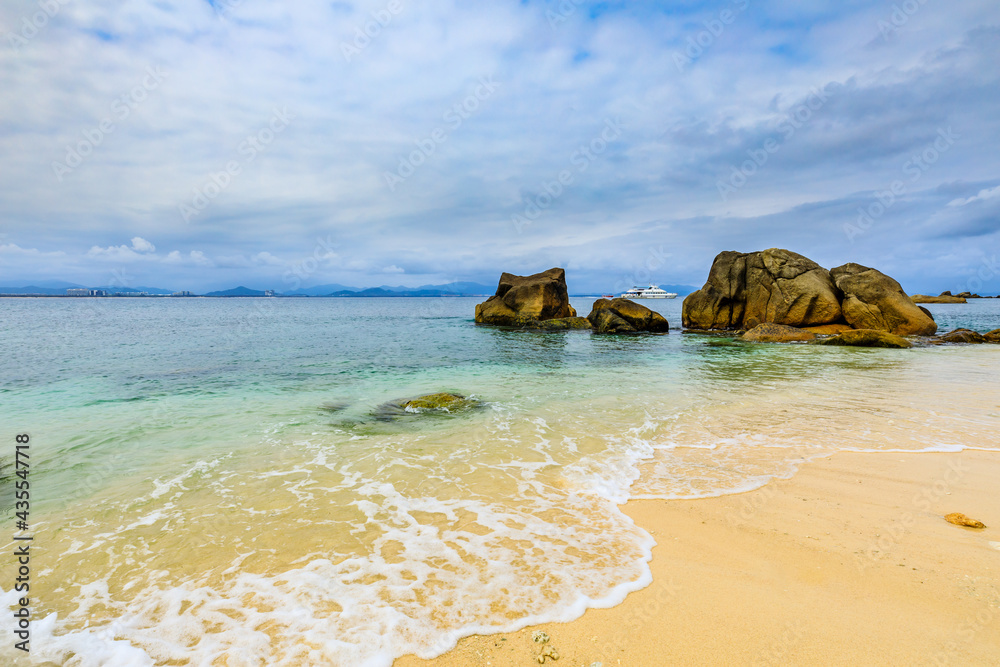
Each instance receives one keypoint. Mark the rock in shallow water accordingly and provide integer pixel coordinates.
(523, 301)
(774, 285)
(866, 338)
(440, 403)
(777, 333)
(562, 324)
(873, 300)
(962, 336)
(625, 316)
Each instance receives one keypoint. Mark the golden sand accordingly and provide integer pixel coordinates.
(850, 562)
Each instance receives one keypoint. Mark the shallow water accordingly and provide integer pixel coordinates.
(212, 485)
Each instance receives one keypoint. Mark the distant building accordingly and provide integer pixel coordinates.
(85, 291)
(269, 292)
(183, 293)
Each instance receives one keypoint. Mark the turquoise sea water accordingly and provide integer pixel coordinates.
(212, 482)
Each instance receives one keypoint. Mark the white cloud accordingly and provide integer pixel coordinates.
(393, 269)
(116, 252)
(14, 249)
(140, 244)
(195, 258)
(983, 195)
(199, 258)
(268, 259)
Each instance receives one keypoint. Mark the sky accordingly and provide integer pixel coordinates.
(199, 145)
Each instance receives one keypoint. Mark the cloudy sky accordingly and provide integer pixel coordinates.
(200, 145)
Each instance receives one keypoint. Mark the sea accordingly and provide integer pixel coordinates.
(219, 481)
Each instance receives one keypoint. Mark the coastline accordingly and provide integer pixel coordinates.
(847, 562)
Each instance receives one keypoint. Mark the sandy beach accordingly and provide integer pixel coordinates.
(849, 562)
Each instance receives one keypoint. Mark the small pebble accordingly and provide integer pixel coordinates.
(540, 637)
(960, 519)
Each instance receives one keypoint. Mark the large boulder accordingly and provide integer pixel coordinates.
(523, 301)
(624, 316)
(769, 332)
(775, 285)
(866, 338)
(992, 336)
(873, 300)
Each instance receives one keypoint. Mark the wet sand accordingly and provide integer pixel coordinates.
(849, 562)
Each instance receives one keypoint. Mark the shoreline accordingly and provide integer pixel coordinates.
(849, 561)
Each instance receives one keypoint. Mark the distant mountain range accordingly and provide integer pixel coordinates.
(59, 287)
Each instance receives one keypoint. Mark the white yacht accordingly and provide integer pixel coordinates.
(651, 292)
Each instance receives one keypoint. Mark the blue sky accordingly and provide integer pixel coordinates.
(197, 145)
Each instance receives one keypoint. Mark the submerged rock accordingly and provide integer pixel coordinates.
(769, 332)
(960, 519)
(873, 300)
(562, 324)
(440, 403)
(523, 301)
(625, 316)
(866, 338)
(962, 336)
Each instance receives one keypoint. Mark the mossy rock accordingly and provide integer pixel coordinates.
(866, 338)
(442, 403)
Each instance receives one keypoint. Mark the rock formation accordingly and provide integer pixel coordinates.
(746, 289)
(624, 316)
(523, 301)
(783, 287)
(944, 298)
(873, 300)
